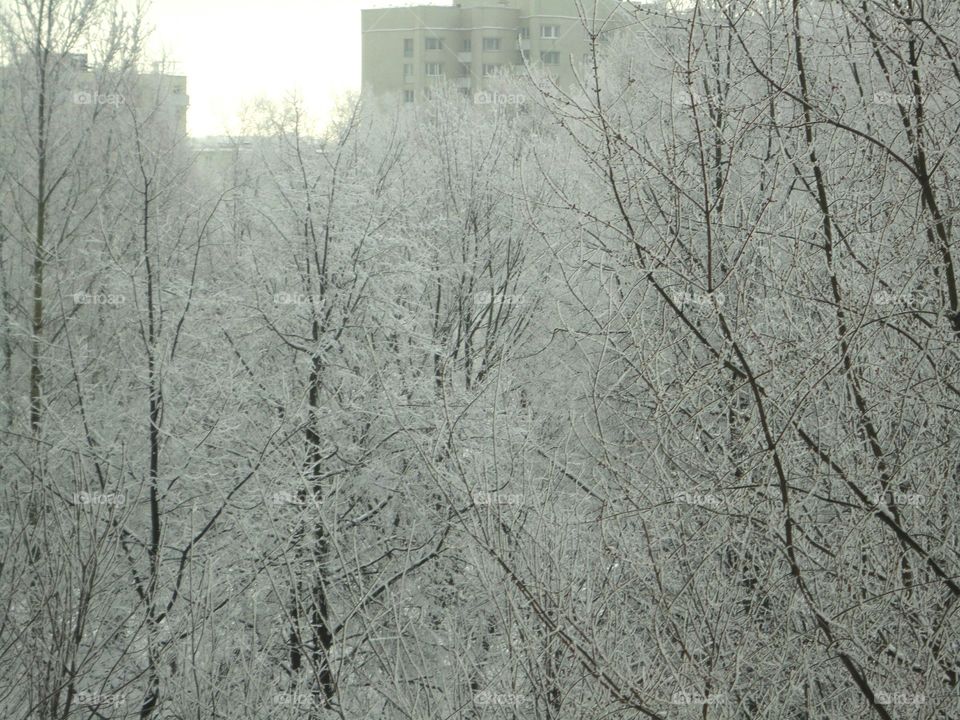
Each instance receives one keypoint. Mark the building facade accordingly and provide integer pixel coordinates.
(409, 50)
(165, 91)
(161, 95)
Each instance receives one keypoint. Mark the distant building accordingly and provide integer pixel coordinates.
(409, 50)
(219, 157)
(160, 95)
(166, 92)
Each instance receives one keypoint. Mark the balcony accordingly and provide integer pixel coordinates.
(465, 57)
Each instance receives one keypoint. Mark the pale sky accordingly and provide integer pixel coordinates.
(233, 51)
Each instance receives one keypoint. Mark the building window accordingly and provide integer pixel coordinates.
(491, 44)
(550, 58)
(466, 44)
(408, 47)
(408, 96)
(550, 31)
(524, 33)
(434, 69)
(408, 72)
(435, 43)
(491, 69)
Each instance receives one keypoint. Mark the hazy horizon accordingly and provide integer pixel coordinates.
(309, 48)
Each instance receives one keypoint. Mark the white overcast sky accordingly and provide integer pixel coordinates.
(234, 51)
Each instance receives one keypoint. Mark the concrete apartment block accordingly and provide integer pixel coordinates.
(408, 50)
(160, 95)
(167, 93)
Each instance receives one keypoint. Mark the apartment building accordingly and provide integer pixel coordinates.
(160, 94)
(165, 90)
(409, 50)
